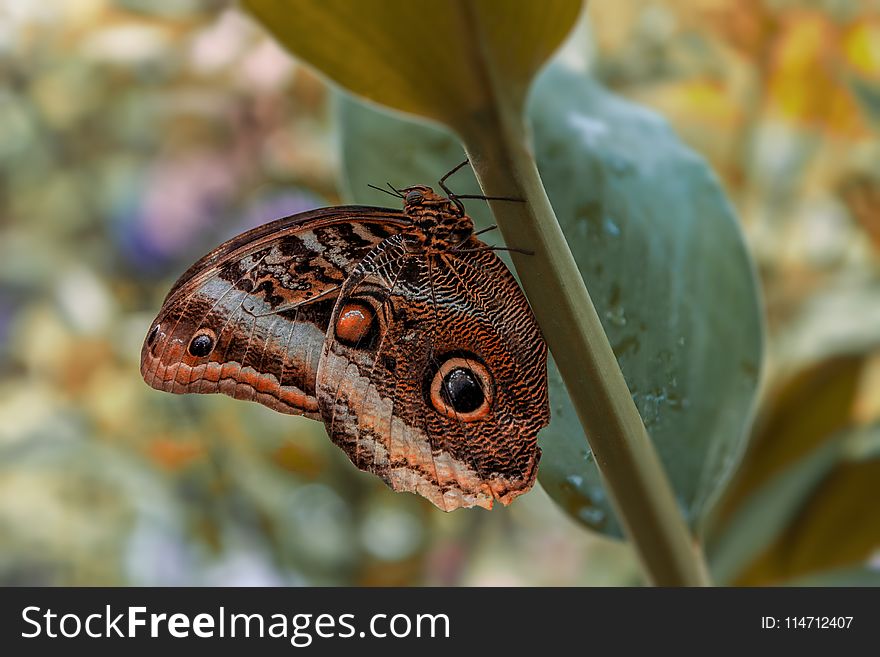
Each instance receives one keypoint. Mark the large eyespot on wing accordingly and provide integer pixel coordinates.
(249, 319)
(461, 387)
(447, 401)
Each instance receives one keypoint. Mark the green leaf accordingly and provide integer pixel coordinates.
(762, 516)
(448, 60)
(868, 96)
(796, 441)
(809, 518)
(806, 410)
(664, 260)
(857, 576)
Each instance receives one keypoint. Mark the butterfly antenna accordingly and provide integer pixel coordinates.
(455, 197)
(396, 191)
(453, 170)
(496, 248)
(492, 198)
(384, 191)
(449, 192)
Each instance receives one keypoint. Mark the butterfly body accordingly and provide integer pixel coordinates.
(401, 331)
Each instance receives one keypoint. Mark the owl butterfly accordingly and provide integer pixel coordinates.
(400, 330)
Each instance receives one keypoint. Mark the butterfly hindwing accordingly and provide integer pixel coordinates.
(442, 325)
(249, 319)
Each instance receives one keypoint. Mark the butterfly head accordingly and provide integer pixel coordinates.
(419, 197)
(438, 221)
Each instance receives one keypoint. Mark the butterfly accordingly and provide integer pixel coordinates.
(399, 329)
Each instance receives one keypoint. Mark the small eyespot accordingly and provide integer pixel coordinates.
(413, 196)
(462, 389)
(389, 363)
(202, 343)
(152, 335)
(355, 324)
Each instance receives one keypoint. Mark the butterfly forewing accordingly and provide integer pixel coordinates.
(249, 319)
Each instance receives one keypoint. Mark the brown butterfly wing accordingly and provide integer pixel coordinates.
(376, 398)
(263, 301)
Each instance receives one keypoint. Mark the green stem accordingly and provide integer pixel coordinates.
(635, 479)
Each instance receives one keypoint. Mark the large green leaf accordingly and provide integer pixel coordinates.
(662, 256)
(817, 515)
(448, 60)
(807, 409)
(809, 480)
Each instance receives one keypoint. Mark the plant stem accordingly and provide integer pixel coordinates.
(637, 484)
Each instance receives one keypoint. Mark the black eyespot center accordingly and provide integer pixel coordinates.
(462, 389)
(459, 386)
(201, 345)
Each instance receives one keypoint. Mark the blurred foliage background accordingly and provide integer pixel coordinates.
(135, 136)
